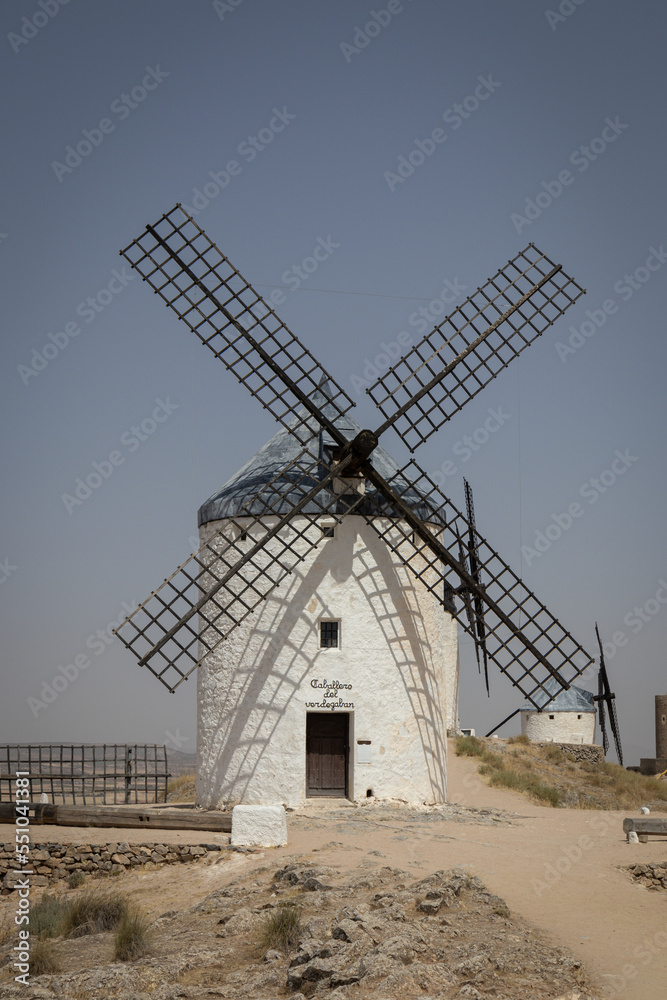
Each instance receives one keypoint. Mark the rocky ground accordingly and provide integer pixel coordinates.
(580, 897)
(372, 931)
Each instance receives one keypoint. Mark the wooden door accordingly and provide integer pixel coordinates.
(327, 753)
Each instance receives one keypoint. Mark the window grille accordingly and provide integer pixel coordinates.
(328, 635)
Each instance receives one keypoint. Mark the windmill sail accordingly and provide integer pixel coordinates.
(525, 641)
(218, 586)
(476, 575)
(606, 697)
(214, 300)
(461, 355)
(236, 569)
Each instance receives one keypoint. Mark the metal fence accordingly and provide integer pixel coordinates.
(86, 773)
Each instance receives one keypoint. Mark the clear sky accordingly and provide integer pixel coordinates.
(284, 125)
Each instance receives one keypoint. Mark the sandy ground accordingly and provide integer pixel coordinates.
(556, 867)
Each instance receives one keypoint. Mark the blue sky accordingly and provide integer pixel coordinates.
(283, 125)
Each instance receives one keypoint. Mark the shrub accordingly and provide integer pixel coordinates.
(554, 754)
(521, 738)
(132, 939)
(505, 778)
(92, 912)
(75, 879)
(282, 928)
(43, 959)
(7, 929)
(469, 746)
(47, 916)
(181, 789)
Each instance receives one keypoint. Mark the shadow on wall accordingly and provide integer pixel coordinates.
(245, 707)
(413, 652)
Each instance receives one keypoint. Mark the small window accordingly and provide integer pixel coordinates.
(551, 716)
(328, 531)
(328, 635)
(578, 716)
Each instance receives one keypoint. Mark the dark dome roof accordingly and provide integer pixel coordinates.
(284, 448)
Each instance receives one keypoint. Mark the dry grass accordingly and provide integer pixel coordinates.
(282, 928)
(7, 929)
(92, 912)
(181, 789)
(132, 938)
(47, 916)
(521, 738)
(506, 777)
(43, 959)
(549, 775)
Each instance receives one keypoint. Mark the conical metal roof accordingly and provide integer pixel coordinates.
(576, 699)
(284, 448)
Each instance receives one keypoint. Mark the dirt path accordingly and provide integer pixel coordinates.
(556, 867)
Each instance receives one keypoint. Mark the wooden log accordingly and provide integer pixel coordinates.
(645, 826)
(132, 817)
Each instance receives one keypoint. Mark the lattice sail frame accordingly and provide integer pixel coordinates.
(479, 627)
(222, 582)
(232, 573)
(216, 302)
(478, 340)
(565, 657)
(605, 697)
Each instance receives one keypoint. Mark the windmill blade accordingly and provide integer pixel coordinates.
(464, 594)
(461, 355)
(523, 639)
(601, 703)
(476, 575)
(218, 586)
(205, 290)
(613, 720)
(608, 698)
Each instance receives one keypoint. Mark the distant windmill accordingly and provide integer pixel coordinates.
(330, 475)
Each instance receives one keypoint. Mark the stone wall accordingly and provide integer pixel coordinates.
(653, 876)
(53, 861)
(581, 751)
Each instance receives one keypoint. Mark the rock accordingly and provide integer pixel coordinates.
(318, 927)
(632, 837)
(376, 964)
(273, 956)
(349, 930)
(430, 906)
(259, 826)
(240, 922)
(336, 970)
(314, 885)
(309, 950)
(645, 810)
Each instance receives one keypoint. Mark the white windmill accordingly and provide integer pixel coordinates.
(321, 607)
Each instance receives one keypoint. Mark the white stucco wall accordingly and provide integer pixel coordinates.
(565, 727)
(398, 653)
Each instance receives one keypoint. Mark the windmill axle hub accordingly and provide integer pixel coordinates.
(363, 445)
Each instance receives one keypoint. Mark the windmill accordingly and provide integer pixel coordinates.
(330, 475)
(606, 697)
